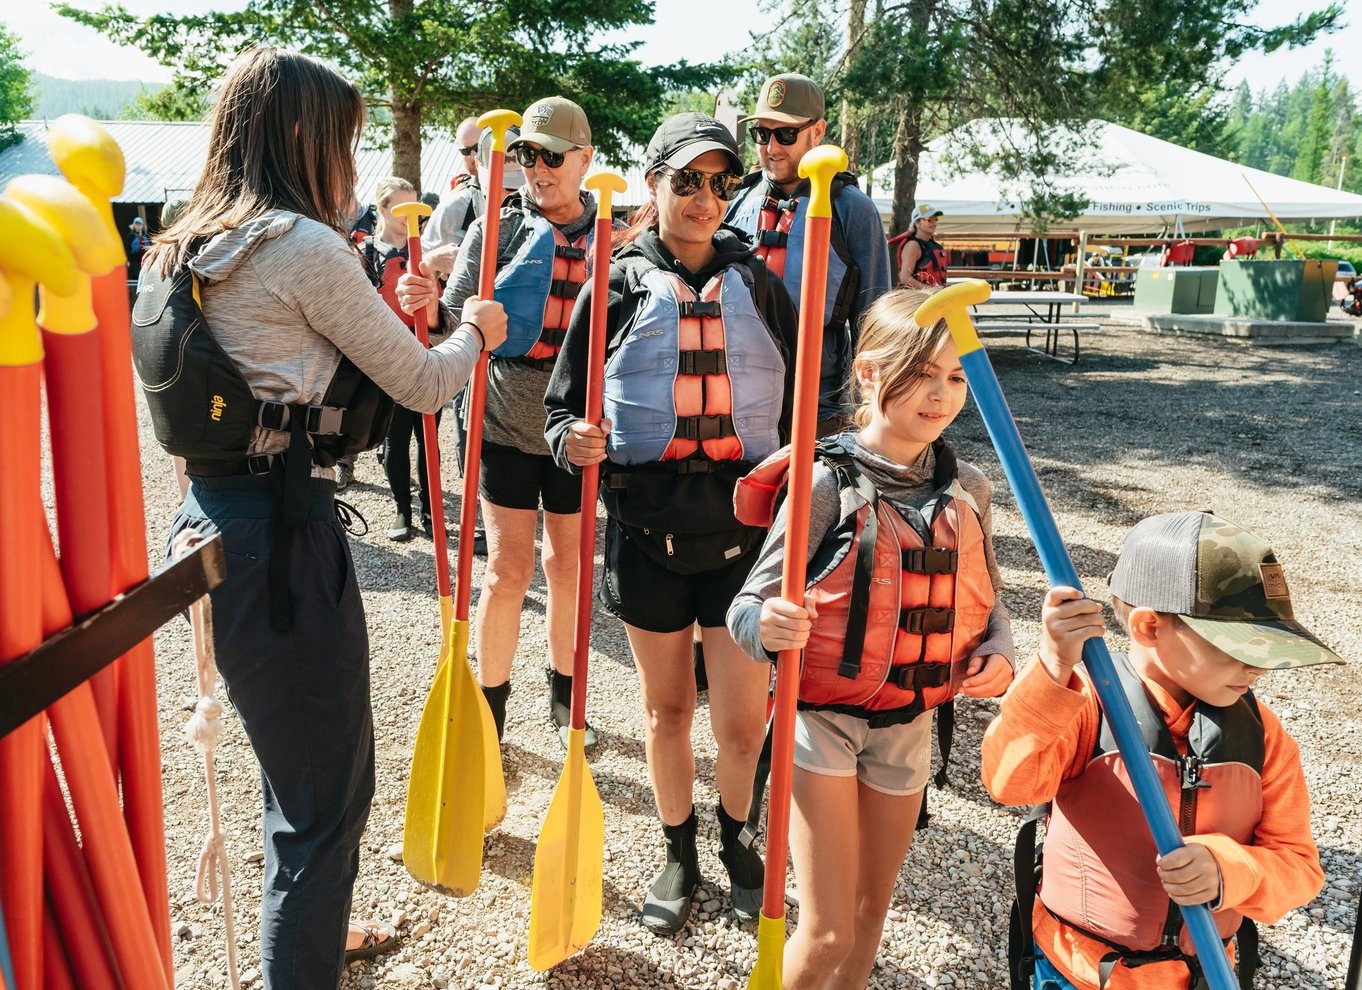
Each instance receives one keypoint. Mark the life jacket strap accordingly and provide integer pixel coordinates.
(699, 307)
(916, 676)
(927, 621)
(931, 560)
(569, 252)
(321, 421)
(772, 238)
(565, 288)
(703, 363)
(705, 427)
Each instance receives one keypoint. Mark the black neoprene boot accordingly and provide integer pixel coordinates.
(746, 871)
(668, 903)
(496, 700)
(560, 709)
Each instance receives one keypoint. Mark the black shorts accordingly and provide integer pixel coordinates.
(637, 589)
(514, 479)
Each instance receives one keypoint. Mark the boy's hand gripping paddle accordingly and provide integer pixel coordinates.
(951, 304)
(818, 166)
(565, 899)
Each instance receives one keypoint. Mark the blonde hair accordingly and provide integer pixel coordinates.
(895, 347)
(384, 189)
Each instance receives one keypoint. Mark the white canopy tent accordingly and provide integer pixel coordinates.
(1134, 184)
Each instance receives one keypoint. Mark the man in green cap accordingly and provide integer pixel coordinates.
(542, 248)
(772, 206)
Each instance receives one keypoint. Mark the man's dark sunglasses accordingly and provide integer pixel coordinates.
(687, 181)
(783, 135)
(472, 149)
(527, 156)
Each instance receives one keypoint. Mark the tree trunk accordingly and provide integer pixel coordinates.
(407, 140)
(907, 152)
(852, 123)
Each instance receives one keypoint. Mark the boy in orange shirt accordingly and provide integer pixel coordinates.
(1208, 612)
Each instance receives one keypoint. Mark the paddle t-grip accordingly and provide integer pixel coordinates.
(91, 160)
(605, 185)
(499, 122)
(819, 166)
(952, 304)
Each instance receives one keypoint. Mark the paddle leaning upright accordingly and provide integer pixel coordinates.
(818, 166)
(565, 900)
(457, 790)
(951, 304)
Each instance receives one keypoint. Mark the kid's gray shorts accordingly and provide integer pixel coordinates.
(895, 759)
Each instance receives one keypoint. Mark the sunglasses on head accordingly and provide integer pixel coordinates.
(783, 135)
(527, 156)
(472, 149)
(688, 181)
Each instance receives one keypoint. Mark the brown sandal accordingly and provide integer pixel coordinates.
(378, 939)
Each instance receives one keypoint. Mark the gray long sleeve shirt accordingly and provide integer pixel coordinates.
(903, 484)
(287, 296)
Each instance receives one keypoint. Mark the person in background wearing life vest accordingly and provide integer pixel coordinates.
(902, 613)
(385, 254)
(284, 298)
(698, 387)
(922, 261)
(137, 246)
(771, 207)
(1207, 609)
(542, 247)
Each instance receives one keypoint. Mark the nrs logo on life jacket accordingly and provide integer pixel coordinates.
(903, 595)
(538, 289)
(696, 379)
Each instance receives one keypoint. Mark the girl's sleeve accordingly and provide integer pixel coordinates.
(565, 397)
(744, 615)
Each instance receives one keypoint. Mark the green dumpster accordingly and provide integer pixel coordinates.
(1287, 290)
(1176, 290)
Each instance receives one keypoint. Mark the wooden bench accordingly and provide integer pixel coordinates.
(1052, 333)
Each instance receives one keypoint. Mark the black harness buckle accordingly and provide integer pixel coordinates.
(916, 676)
(704, 427)
(697, 307)
(931, 560)
(565, 288)
(702, 363)
(569, 252)
(927, 621)
(772, 238)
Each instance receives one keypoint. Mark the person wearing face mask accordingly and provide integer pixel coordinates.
(543, 243)
(698, 388)
(772, 207)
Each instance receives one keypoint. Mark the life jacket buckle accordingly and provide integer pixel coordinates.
(699, 307)
(325, 421)
(931, 560)
(565, 288)
(772, 238)
(927, 621)
(260, 463)
(569, 252)
(705, 427)
(915, 677)
(273, 416)
(702, 363)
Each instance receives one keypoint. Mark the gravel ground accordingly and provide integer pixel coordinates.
(1268, 437)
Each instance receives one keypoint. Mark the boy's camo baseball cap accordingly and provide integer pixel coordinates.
(1225, 584)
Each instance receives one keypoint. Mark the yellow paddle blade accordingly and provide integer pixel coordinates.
(770, 954)
(494, 778)
(442, 836)
(565, 901)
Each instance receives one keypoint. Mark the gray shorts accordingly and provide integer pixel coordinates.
(895, 759)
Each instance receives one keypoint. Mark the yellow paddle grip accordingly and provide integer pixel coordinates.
(952, 303)
(605, 185)
(499, 121)
(412, 212)
(819, 165)
(90, 159)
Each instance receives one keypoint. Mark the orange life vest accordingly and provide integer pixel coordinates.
(387, 270)
(538, 287)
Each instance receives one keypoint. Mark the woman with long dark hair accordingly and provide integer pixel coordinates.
(286, 300)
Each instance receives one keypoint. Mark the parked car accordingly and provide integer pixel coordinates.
(1344, 280)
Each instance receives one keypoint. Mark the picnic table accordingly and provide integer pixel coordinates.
(1039, 311)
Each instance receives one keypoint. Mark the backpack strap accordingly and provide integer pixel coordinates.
(1021, 940)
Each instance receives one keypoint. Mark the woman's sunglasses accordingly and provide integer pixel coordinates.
(687, 181)
(783, 135)
(527, 156)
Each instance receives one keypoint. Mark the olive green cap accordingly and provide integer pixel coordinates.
(789, 98)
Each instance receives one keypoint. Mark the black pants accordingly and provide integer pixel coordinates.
(303, 700)
(397, 459)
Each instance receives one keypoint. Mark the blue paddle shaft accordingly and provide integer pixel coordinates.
(1059, 569)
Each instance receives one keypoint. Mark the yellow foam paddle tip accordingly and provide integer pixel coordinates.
(442, 833)
(605, 185)
(31, 250)
(499, 121)
(819, 165)
(72, 216)
(87, 154)
(952, 304)
(769, 971)
(567, 891)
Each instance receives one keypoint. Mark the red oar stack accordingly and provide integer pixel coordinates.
(106, 917)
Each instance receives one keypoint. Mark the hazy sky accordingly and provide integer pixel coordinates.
(683, 29)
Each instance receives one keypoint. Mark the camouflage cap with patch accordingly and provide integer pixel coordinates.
(1223, 581)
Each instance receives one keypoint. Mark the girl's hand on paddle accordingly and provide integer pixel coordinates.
(785, 626)
(489, 317)
(586, 443)
(415, 292)
(986, 677)
(1190, 875)
(1067, 621)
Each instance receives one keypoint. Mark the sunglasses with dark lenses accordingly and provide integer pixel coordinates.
(472, 149)
(527, 156)
(687, 181)
(783, 135)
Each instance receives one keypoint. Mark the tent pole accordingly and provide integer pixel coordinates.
(1078, 268)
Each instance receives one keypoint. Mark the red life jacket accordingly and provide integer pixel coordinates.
(387, 270)
(903, 595)
(1101, 880)
(932, 262)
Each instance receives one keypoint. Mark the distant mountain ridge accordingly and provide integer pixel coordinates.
(102, 99)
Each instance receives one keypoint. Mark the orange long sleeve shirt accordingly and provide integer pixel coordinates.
(1044, 736)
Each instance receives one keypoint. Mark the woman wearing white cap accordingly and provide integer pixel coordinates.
(922, 261)
(698, 381)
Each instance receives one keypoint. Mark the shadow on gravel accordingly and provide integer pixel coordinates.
(607, 966)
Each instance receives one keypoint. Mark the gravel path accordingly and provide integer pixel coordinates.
(1268, 437)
